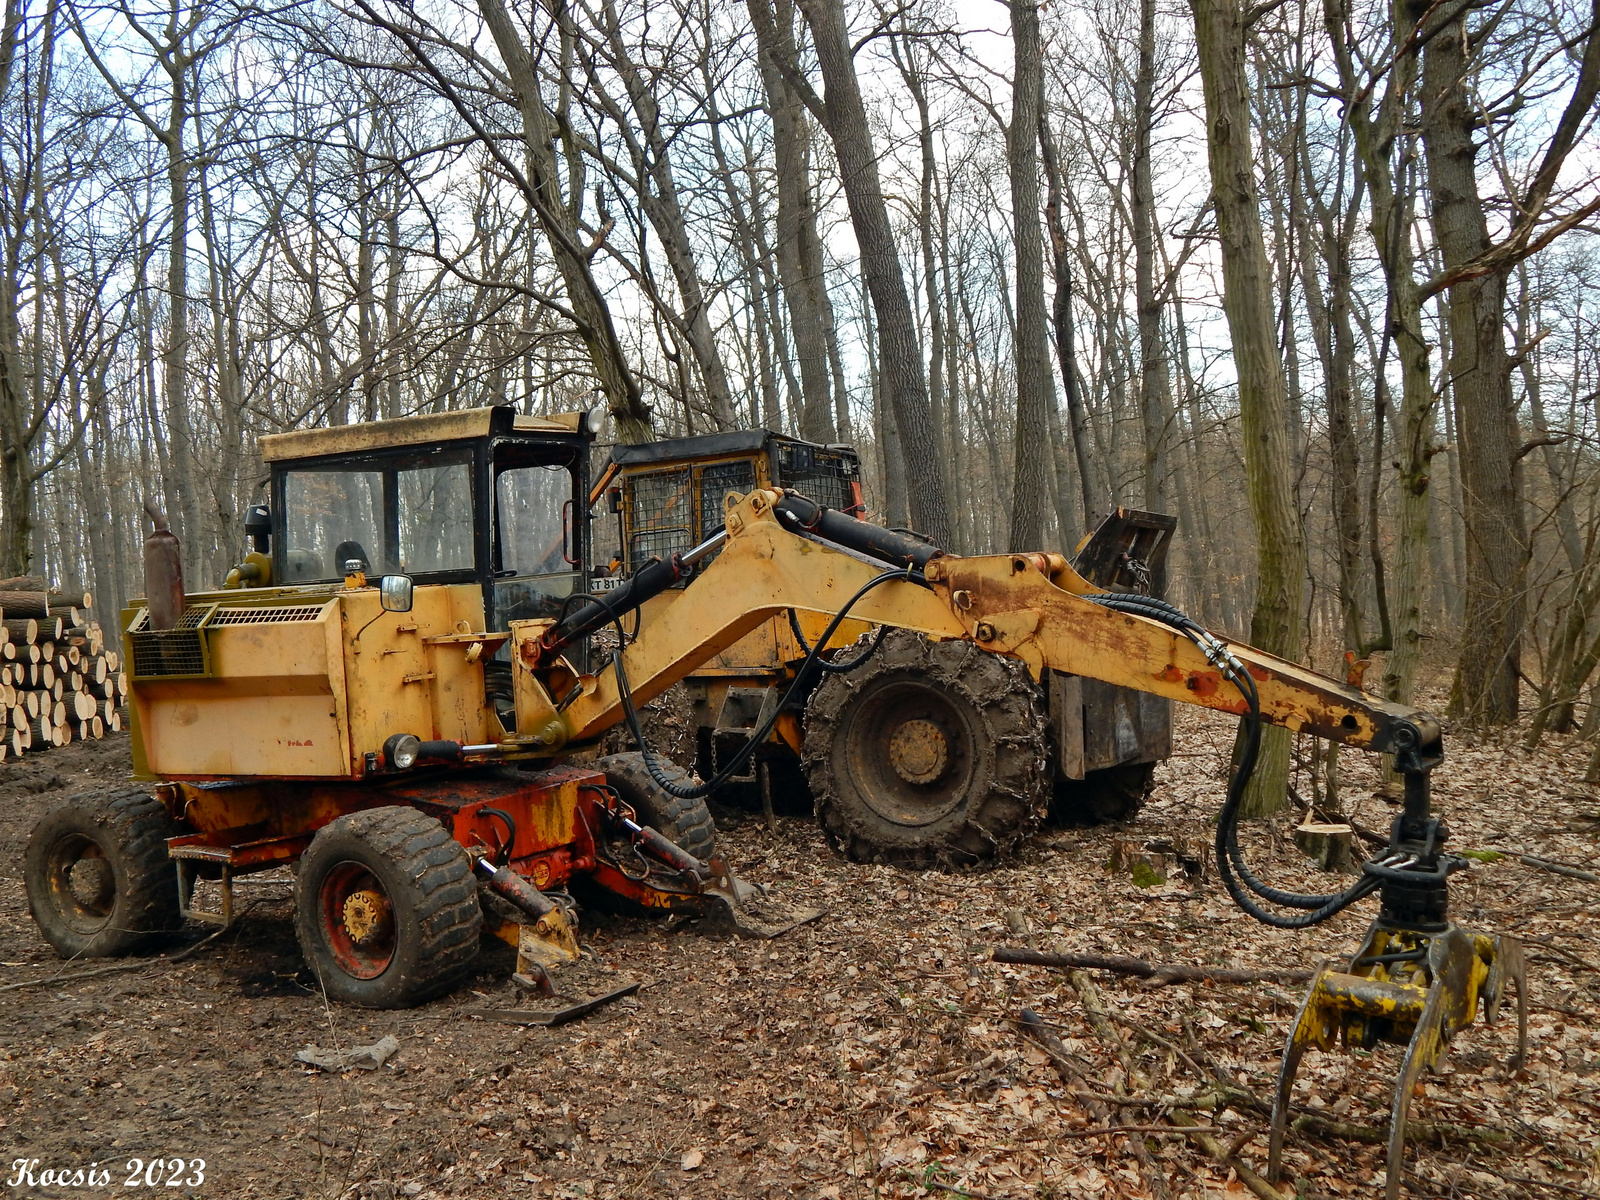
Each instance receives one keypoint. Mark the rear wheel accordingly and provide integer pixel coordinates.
(386, 908)
(1104, 796)
(98, 876)
(685, 823)
(932, 752)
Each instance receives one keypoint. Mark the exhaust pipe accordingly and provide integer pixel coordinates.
(163, 571)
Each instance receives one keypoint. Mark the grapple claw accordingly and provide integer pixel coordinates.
(1408, 987)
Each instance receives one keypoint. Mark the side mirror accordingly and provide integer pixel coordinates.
(394, 593)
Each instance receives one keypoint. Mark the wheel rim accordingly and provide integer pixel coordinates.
(911, 750)
(83, 887)
(357, 920)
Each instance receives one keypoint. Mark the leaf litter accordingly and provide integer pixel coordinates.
(877, 1053)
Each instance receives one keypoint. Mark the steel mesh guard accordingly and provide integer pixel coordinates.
(660, 514)
(821, 475)
(171, 653)
(716, 481)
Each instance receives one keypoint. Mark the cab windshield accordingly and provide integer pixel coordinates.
(410, 515)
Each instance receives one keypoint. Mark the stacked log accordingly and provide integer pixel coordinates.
(59, 682)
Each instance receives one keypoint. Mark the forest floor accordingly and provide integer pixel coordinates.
(874, 1053)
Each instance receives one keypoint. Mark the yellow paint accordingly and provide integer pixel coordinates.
(405, 431)
(309, 698)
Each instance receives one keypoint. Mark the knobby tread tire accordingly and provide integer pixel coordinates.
(1103, 797)
(131, 828)
(428, 876)
(1009, 792)
(687, 823)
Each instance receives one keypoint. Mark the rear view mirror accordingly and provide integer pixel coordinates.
(394, 592)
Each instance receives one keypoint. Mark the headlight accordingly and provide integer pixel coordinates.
(401, 750)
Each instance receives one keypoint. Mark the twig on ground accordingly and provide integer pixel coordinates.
(1475, 1165)
(1556, 868)
(1157, 973)
(1420, 1131)
(1257, 1185)
(125, 966)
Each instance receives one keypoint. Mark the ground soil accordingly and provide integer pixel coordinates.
(874, 1053)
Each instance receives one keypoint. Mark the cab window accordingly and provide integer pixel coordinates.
(411, 514)
(535, 543)
(331, 516)
(435, 518)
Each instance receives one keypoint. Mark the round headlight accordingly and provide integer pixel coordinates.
(401, 750)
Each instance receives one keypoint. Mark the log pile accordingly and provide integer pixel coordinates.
(59, 682)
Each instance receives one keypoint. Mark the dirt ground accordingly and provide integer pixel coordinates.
(875, 1053)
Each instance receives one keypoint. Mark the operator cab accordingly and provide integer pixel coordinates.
(669, 494)
(486, 496)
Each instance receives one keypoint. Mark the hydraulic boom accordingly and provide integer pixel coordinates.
(1416, 978)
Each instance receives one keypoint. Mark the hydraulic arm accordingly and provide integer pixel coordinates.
(1416, 978)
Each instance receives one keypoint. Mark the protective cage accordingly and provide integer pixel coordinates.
(183, 652)
(675, 508)
(672, 508)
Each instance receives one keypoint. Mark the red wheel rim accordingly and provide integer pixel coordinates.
(357, 918)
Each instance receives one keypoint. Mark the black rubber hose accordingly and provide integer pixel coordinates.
(694, 792)
(837, 668)
(1230, 859)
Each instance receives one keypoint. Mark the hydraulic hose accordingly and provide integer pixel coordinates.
(801, 679)
(1230, 859)
(837, 668)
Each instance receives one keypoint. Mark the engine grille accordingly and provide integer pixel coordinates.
(176, 653)
(265, 616)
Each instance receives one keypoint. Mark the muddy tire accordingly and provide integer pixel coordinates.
(1102, 797)
(933, 753)
(686, 823)
(98, 876)
(386, 908)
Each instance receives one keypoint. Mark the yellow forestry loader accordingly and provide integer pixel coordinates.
(403, 699)
(864, 744)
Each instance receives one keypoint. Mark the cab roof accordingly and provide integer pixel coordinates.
(735, 441)
(423, 430)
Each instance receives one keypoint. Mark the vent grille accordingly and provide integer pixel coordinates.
(171, 653)
(265, 616)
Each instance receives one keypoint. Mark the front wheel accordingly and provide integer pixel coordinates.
(98, 876)
(685, 823)
(386, 908)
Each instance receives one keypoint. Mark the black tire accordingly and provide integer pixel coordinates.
(686, 823)
(99, 879)
(1103, 797)
(386, 908)
(933, 753)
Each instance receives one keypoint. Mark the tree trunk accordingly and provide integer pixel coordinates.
(1036, 393)
(798, 248)
(1275, 624)
(1066, 352)
(1487, 673)
(845, 116)
(1155, 389)
(607, 356)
